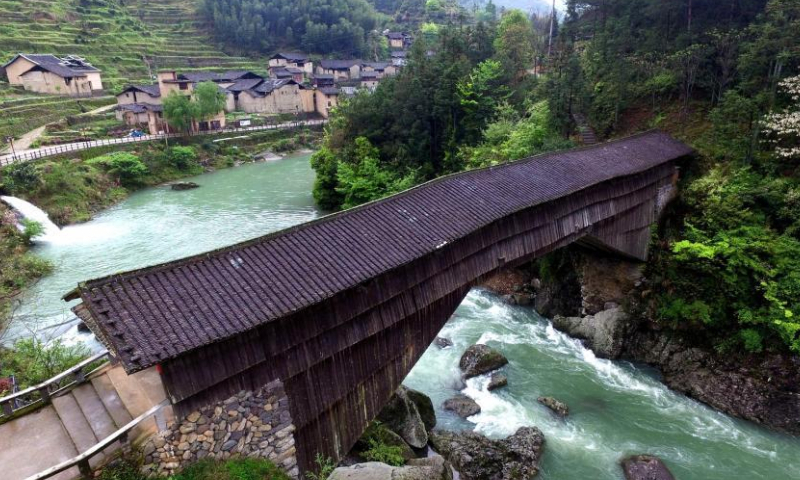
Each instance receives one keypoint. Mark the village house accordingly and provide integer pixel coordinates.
(399, 58)
(381, 69)
(140, 106)
(322, 80)
(291, 73)
(326, 99)
(370, 80)
(70, 75)
(340, 69)
(270, 96)
(398, 40)
(291, 60)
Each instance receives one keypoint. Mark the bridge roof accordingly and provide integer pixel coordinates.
(157, 313)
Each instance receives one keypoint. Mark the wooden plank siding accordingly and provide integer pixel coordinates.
(354, 323)
(341, 360)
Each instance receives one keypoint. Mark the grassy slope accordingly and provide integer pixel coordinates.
(121, 37)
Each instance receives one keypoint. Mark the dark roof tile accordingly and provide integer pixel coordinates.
(164, 311)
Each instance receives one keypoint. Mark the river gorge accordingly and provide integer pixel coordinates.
(617, 408)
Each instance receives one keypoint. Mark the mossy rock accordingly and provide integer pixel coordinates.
(480, 359)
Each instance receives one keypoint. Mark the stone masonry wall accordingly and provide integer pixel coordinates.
(254, 424)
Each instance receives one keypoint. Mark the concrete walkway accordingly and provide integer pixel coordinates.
(33, 154)
(77, 420)
(24, 142)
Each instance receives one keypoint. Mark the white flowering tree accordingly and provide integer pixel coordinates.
(784, 127)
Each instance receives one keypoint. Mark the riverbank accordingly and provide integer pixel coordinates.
(73, 189)
(607, 303)
(18, 268)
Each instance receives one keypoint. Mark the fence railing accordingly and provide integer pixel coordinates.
(121, 435)
(37, 395)
(77, 146)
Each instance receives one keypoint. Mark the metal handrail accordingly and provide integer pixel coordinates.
(8, 404)
(8, 159)
(82, 460)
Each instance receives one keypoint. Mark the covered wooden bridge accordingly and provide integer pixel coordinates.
(340, 309)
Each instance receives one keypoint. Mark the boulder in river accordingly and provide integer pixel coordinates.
(560, 408)
(480, 359)
(424, 406)
(477, 457)
(442, 342)
(604, 332)
(402, 416)
(463, 406)
(645, 467)
(431, 468)
(497, 380)
(179, 186)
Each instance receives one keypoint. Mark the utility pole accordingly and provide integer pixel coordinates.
(552, 21)
(10, 140)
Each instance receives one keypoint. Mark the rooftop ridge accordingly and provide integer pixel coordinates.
(562, 174)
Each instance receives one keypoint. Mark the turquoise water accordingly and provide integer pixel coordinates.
(616, 408)
(156, 225)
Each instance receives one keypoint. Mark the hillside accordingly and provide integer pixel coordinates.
(128, 40)
(118, 36)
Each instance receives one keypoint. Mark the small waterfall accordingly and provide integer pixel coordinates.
(31, 212)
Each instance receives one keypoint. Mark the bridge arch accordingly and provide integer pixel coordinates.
(339, 310)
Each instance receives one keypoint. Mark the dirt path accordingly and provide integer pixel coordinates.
(24, 142)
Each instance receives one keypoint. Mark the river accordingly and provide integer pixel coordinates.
(616, 408)
(156, 225)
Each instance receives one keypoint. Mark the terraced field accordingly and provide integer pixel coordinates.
(129, 40)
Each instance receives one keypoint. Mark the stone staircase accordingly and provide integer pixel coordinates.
(585, 131)
(78, 420)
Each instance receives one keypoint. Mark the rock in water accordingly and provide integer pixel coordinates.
(603, 332)
(402, 417)
(424, 406)
(498, 380)
(560, 408)
(645, 467)
(442, 342)
(479, 458)
(179, 186)
(480, 359)
(432, 468)
(463, 406)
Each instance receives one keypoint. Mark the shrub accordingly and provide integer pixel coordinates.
(31, 229)
(21, 177)
(126, 166)
(325, 468)
(234, 469)
(381, 452)
(182, 158)
(33, 361)
(207, 469)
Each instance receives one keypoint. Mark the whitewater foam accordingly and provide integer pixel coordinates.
(30, 211)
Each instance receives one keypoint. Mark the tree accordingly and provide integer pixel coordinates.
(209, 101)
(178, 111)
(479, 95)
(364, 180)
(784, 126)
(126, 166)
(514, 44)
(182, 112)
(320, 26)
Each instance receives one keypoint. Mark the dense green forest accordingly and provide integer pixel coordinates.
(345, 27)
(722, 76)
